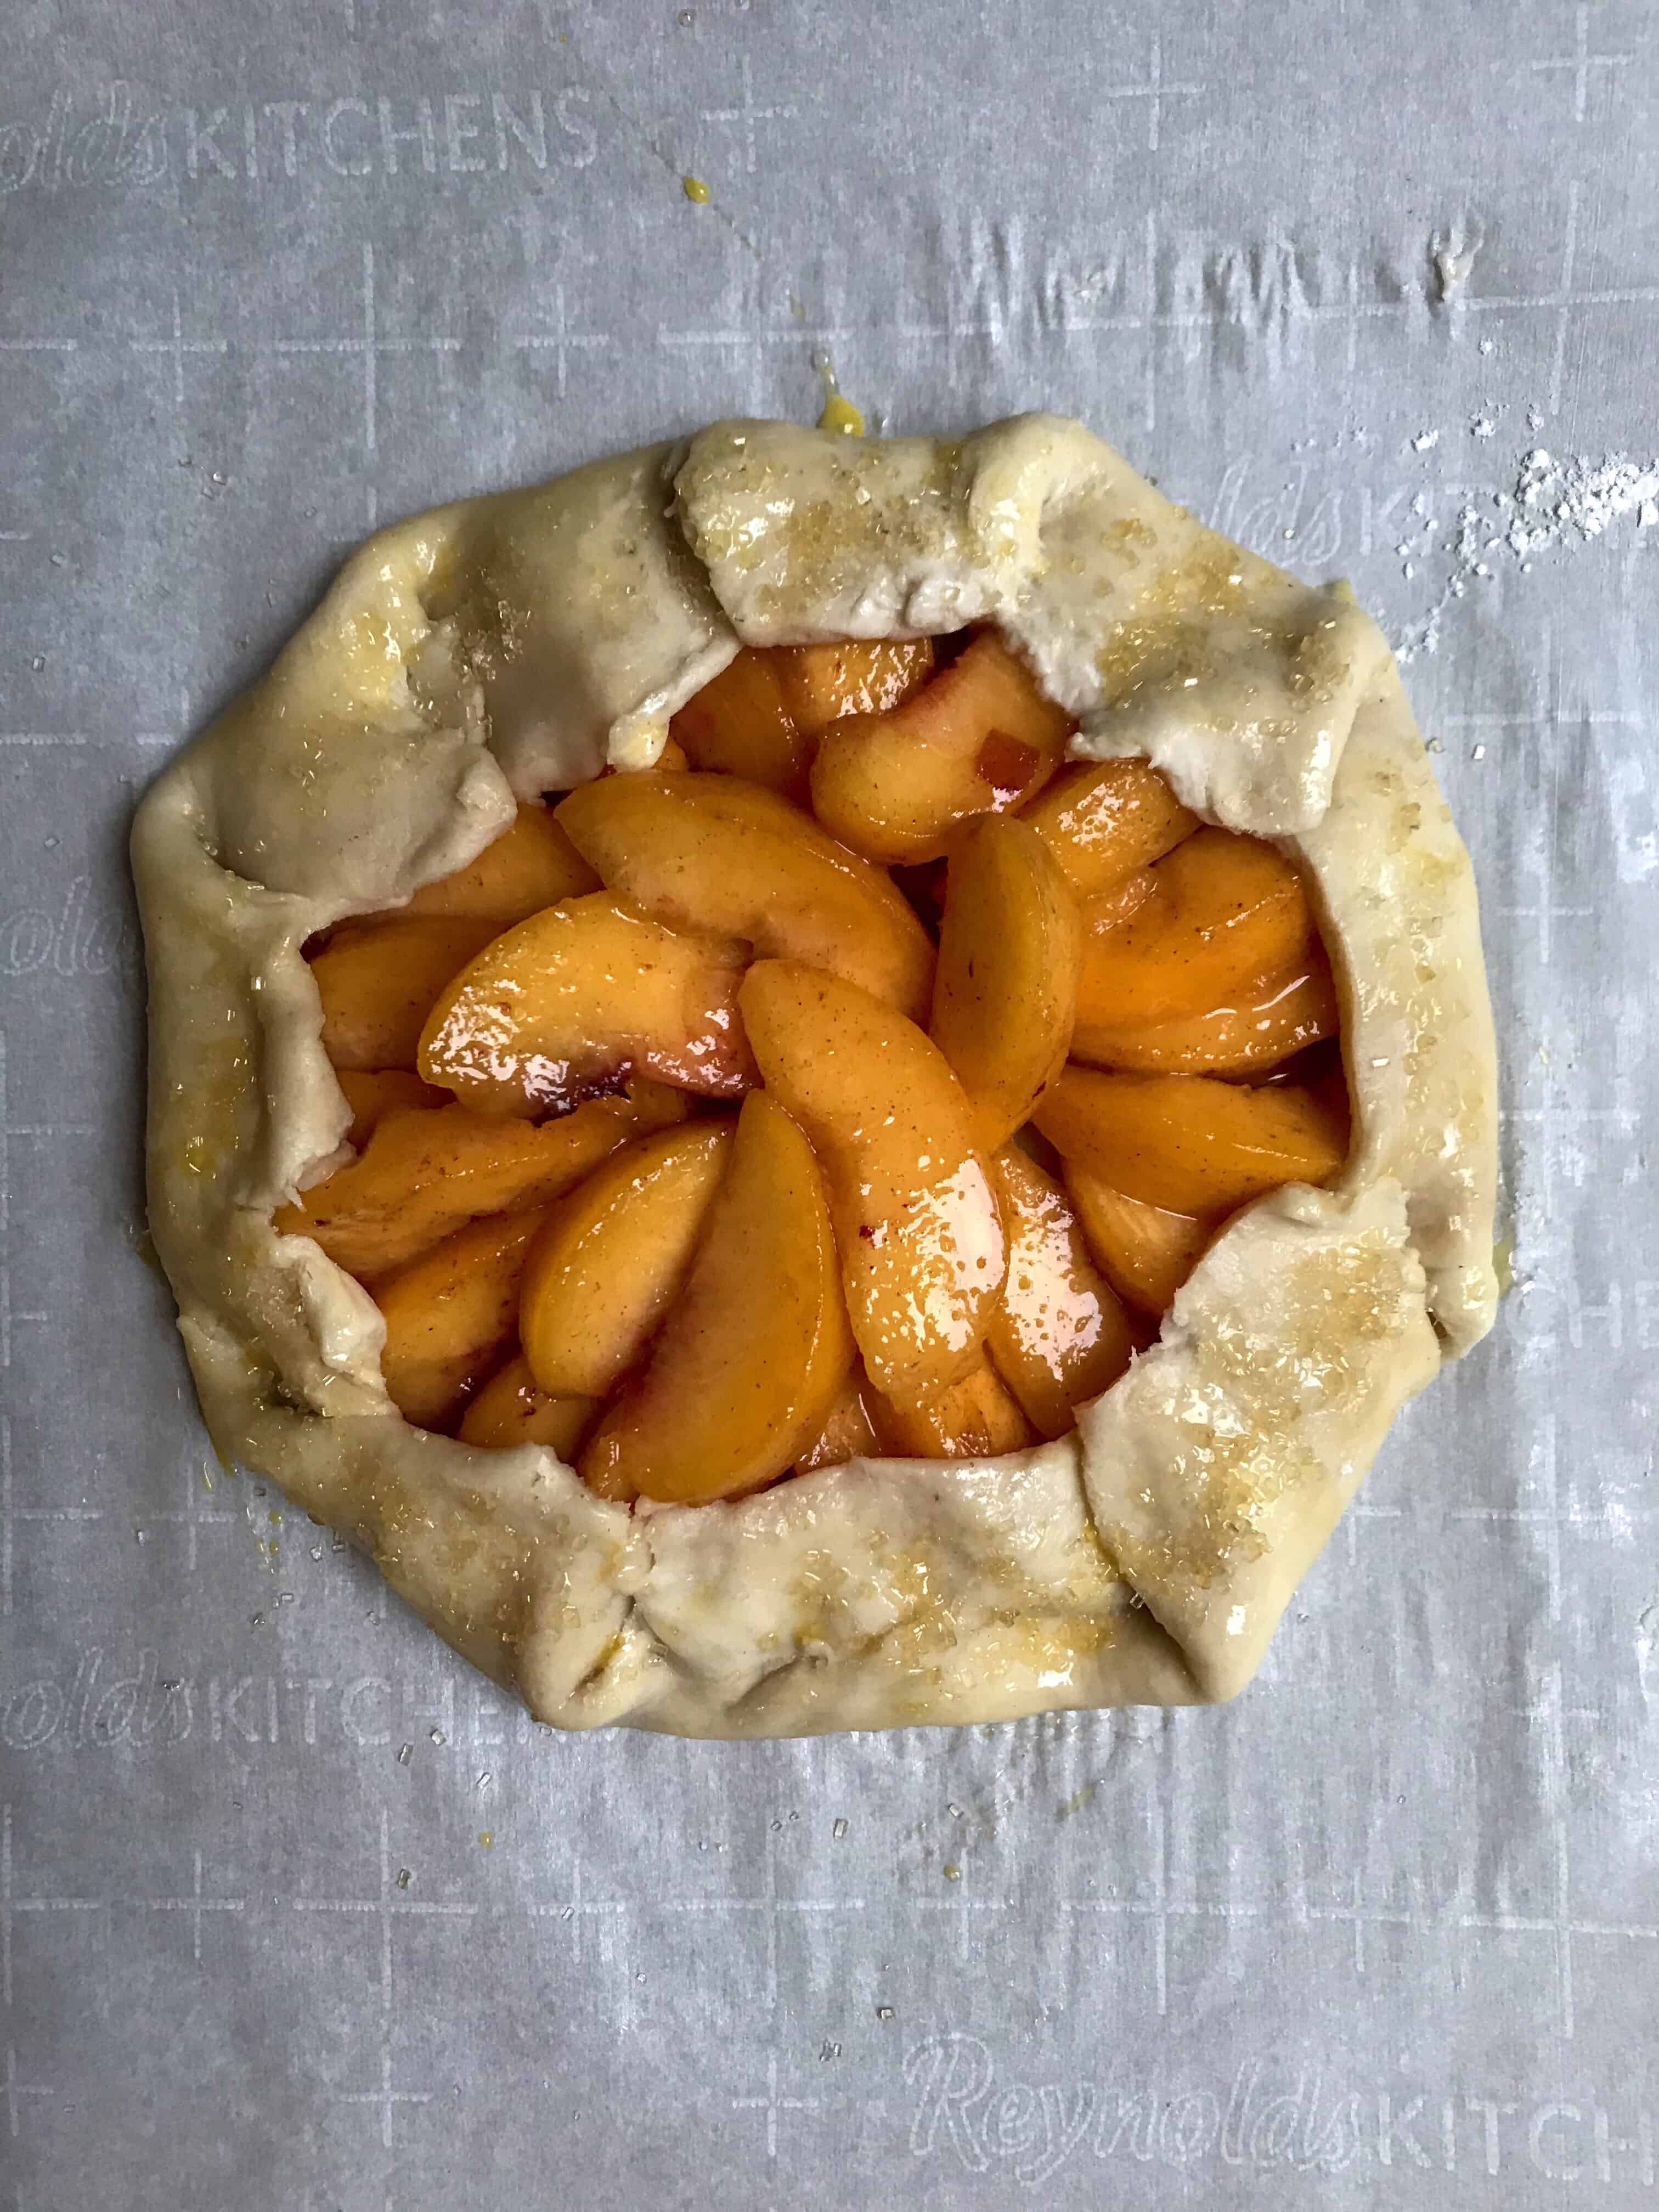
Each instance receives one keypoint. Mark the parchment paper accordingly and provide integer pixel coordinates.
(295, 1912)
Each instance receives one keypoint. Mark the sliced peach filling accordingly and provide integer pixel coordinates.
(566, 1005)
(864, 1080)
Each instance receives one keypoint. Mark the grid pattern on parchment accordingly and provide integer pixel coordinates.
(1394, 1917)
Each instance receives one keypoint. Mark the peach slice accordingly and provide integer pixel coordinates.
(613, 1256)
(1010, 948)
(378, 981)
(372, 1093)
(1059, 1334)
(1144, 1252)
(1226, 908)
(1271, 1018)
(756, 1348)
(976, 1416)
(1104, 910)
(1192, 1143)
(1104, 819)
(421, 1175)
(674, 759)
(567, 1004)
(921, 1243)
(848, 1429)
(707, 853)
(739, 724)
(530, 865)
(979, 739)
(822, 684)
(449, 1316)
(510, 1410)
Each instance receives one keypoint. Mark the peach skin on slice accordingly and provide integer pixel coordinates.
(1192, 1143)
(1104, 820)
(1266, 1022)
(378, 981)
(1226, 909)
(450, 1314)
(754, 1350)
(1059, 1334)
(510, 1410)
(422, 1173)
(976, 1416)
(1144, 1252)
(708, 854)
(564, 1006)
(740, 725)
(612, 1256)
(372, 1093)
(921, 1245)
(848, 1431)
(979, 739)
(1010, 947)
(530, 865)
(822, 684)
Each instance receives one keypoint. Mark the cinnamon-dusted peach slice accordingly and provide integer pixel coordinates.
(739, 724)
(754, 1350)
(847, 1429)
(613, 1256)
(672, 760)
(1059, 1334)
(976, 1416)
(1144, 1252)
(709, 853)
(1010, 948)
(1192, 1143)
(379, 979)
(921, 1245)
(450, 1315)
(373, 1093)
(1101, 820)
(1103, 910)
(421, 1175)
(1271, 1018)
(979, 739)
(1226, 909)
(510, 1410)
(530, 865)
(567, 1004)
(822, 684)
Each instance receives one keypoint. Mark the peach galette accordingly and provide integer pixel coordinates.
(737, 1155)
(819, 1084)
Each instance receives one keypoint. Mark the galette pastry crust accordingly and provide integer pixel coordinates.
(511, 645)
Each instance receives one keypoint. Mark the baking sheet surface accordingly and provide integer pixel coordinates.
(294, 1910)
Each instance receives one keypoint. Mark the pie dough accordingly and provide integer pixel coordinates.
(515, 644)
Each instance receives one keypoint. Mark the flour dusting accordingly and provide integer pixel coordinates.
(1556, 504)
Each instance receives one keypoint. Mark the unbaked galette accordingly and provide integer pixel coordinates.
(817, 1082)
